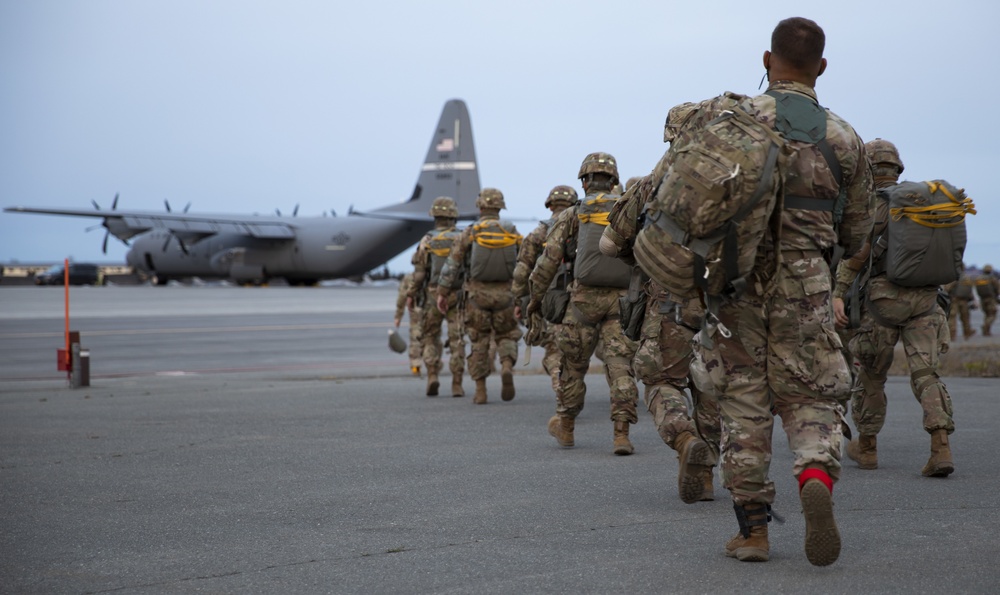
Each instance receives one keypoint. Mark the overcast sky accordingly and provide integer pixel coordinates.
(247, 106)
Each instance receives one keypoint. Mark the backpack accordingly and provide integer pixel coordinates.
(439, 245)
(591, 268)
(714, 204)
(494, 251)
(925, 235)
(984, 287)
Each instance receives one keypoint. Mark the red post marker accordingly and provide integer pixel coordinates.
(69, 353)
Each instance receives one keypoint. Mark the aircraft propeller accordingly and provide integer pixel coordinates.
(104, 224)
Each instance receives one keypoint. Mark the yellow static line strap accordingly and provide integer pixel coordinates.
(600, 218)
(494, 239)
(939, 215)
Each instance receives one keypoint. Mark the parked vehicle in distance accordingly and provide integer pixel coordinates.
(80, 273)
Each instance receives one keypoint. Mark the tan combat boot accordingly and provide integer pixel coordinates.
(456, 386)
(940, 464)
(507, 380)
(561, 428)
(432, 384)
(750, 544)
(623, 446)
(708, 490)
(863, 451)
(480, 397)
(694, 456)
(822, 537)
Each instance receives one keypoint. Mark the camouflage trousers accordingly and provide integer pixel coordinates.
(489, 315)
(661, 362)
(782, 355)
(416, 335)
(591, 318)
(432, 346)
(960, 313)
(989, 313)
(552, 362)
(915, 318)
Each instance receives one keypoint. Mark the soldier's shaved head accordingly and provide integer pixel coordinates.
(799, 42)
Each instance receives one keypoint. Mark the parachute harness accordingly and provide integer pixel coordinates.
(938, 215)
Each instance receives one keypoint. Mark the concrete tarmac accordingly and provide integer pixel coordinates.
(265, 440)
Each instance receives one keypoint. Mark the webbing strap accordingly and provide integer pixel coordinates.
(808, 203)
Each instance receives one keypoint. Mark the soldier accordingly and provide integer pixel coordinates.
(428, 260)
(558, 200)
(664, 353)
(988, 289)
(894, 312)
(485, 254)
(775, 347)
(963, 299)
(592, 315)
(416, 314)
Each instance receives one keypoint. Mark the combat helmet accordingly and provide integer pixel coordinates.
(490, 199)
(987, 269)
(445, 207)
(883, 151)
(561, 196)
(602, 163)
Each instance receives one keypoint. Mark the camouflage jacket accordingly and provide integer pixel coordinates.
(422, 261)
(531, 249)
(564, 228)
(458, 261)
(849, 268)
(809, 175)
(404, 291)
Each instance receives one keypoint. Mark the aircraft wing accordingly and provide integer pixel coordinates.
(125, 224)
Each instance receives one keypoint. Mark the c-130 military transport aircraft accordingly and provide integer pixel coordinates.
(302, 250)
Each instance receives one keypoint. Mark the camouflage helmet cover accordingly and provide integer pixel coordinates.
(599, 163)
(490, 198)
(561, 195)
(987, 269)
(632, 181)
(883, 151)
(444, 206)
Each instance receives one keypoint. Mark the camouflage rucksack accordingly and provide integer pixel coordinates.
(925, 236)
(591, 268)
(439, 245)
(494, 250)
(714, 204)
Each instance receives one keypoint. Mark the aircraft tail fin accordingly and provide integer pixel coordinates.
(450, 168)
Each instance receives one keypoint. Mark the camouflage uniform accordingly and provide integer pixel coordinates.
(592, 317)
(893, 312)
(424, 292)
(988, 289)
(559, 198)
(489, 306)
(416, 314)
(784, 354)
(962, 301)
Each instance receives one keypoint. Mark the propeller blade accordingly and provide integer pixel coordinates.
(104, 244)
(93, 227)
(277, 212)
(96, 206)
(167, 243)
(186, 207)
(167, 204)
(114, 203)
(295, 211)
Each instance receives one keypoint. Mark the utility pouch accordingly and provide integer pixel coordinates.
(632, 305)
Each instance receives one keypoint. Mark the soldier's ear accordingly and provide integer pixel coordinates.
(767, 60)
(822, 67)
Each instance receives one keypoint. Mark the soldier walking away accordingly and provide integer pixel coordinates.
(774, 348)
(415, 313)
(592, 315)
(663, 356)
(988, 290)
(540, 331)
(485, 255)
(963, 301)
(893, 311)
(428, 261)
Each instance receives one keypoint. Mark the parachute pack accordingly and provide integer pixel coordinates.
(591, 268)
(440, 244)
(714, 203)
(925, 237)
(494, 250)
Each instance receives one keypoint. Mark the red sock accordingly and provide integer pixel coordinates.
(814, 473)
